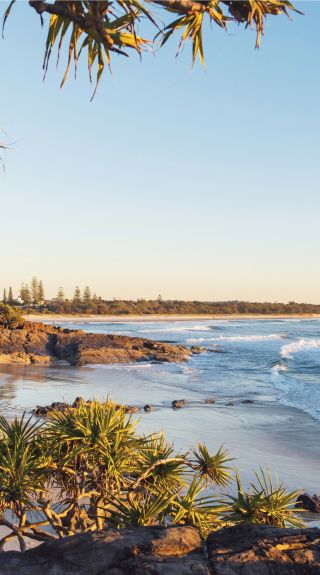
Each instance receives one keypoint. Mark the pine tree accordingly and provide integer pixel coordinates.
(77, 295)
(86, 295)
(4, 295)
(40, 292)
(10, 296)
(60, 295)
(35, 290)
(25, 294)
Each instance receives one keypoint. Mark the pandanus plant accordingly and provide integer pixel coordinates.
(87, 468)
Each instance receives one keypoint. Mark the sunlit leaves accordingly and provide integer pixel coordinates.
(266, 502)
(87, 467)
(213, 468)
(105, 28)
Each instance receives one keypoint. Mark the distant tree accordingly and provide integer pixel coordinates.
(86, 295)
(160, 298)
(40, 291)
(35, 290)
(77, 295)
(4, 296)
(10, 295)
(60, 295)
(25, 294)
(95, 298)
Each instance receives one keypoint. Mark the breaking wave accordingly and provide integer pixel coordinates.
(279, 367)
(287, 351)
(239, 338)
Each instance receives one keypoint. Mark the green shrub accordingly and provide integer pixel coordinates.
(87, 468)
(10, 316)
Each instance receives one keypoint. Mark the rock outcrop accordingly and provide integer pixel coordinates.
(40, 343)
(261, 550)
(245, 550)
(309, 502)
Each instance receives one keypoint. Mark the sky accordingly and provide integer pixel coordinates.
(179, 181)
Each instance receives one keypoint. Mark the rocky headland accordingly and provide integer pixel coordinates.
(37, 343)
(242, 550)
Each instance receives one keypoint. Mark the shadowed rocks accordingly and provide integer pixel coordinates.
(243, 550)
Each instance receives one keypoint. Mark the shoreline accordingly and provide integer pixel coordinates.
(87, 318)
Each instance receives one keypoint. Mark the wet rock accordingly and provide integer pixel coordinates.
(247, 401)
(309, 502)
(230, 403)
(132, 409)
(178, 403)
(197, 349)
(148, 408)
(43, 410)
(78, 401)
(209, 400)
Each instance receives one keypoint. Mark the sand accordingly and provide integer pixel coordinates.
(56, 318)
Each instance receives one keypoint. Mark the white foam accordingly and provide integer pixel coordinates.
(176, 329)
(239, 338)
(279, 367)
(303, 344)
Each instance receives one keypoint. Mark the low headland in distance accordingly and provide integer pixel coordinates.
(33, 301)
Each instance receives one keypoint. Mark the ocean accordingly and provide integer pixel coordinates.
(263, 375)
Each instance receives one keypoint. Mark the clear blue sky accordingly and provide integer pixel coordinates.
(193, 184)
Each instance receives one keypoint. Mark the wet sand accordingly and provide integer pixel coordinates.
(56, 318)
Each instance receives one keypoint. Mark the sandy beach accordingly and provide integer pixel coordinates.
(158, 318)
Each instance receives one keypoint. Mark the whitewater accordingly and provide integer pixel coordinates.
(262, 378)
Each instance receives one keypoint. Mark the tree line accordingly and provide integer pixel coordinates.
(86, 301)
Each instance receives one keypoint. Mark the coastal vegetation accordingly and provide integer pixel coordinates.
(87, 468)
(85, 301)
(120, 27)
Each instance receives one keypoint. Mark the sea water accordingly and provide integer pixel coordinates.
(274, 363)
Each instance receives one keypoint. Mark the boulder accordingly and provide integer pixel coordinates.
(262, 550)
(178, 403)
(139, 551)
(309, 502)
(240, 550)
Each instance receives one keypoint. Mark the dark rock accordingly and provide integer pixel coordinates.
(309, 502)
(40, 343)
(147, 408)
(262, 550)
(132, 409)
(209, 400)
(230, 403)
(239, 550)
(78, 401)
(55, 406)
(197, 349)
(178, 403)
(139, 551)
(247, 401)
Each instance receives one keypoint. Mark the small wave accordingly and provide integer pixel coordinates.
(176, 329)
(115, 366)
(239, 338)
(279, 367)
(287, 351)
